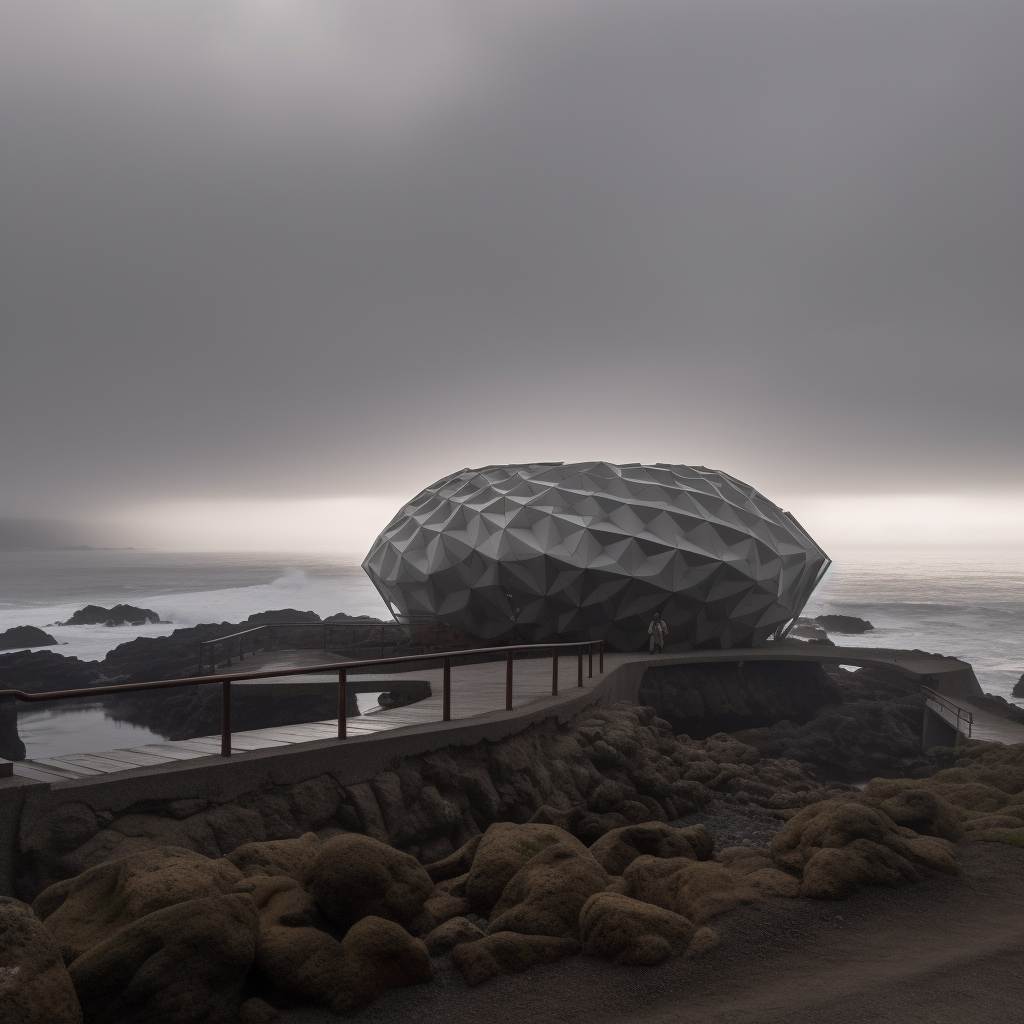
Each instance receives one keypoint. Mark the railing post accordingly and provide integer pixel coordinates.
(446, 699)
(225, 718)
(382, 641)
(579, 665)
(554, 671)
(600, 651)
(342, 704)
(508, 681)
(590, 660)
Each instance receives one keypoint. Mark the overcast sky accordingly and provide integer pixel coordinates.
(294, 250)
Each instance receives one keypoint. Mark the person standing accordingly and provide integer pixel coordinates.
(657, 631)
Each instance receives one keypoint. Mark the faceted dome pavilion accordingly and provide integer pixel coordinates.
(589, 551)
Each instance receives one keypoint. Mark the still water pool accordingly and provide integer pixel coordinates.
(89, 729)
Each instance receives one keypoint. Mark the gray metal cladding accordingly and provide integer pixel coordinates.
(589, 551)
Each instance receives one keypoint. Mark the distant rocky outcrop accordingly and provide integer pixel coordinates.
(843, 623)
(1018, 687)
(281, 615)
(119, 615)
(808, 631)
(19, 637)
(342, 617)
(820, 626)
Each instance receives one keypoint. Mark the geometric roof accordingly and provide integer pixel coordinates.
(591, 550)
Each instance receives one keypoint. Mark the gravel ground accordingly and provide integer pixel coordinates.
(944, 951)
(735, 826)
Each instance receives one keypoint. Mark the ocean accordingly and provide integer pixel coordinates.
(38, 588)
(967, 604)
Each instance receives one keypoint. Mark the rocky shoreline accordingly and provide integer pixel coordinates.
(608, 837)
(184, 713)
(617, 836)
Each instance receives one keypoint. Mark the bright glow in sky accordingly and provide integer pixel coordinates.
(321, 524)
(350, 524)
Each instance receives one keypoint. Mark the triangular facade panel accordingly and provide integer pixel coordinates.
(547, 552)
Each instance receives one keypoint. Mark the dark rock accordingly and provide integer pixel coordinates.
(356, 619)
(119, 615)
(25, 636)
(843, 623)
(163, 657)
(808, 631)
(404, 692)
(704, 699)
(40, 671)
(11, 746)
(186, 712)
(281, 615)
(875, 731)
(1018, 687)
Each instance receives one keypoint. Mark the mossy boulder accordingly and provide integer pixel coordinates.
(545, 896)
(700, 890)
(504, 848)
(35, 987)
(616, 927)
(183, 964)
(295, 858)
(83, 911)
(617, 849)
(355, 876)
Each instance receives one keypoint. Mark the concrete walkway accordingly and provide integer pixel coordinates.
(480, 689)
(987, 726)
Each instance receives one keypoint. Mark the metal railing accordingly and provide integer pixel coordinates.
(342, 668)
(251, 641)
(962, 716)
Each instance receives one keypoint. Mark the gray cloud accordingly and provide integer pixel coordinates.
(325, 248)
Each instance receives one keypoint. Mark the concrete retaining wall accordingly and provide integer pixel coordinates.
(350, 761)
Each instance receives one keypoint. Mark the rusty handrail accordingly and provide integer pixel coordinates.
(342, 668)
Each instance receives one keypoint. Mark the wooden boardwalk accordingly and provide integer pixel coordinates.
(475, 690)
(478, 689)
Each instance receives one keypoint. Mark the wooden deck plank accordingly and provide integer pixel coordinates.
(62, 772)
(135, 760)
(475, 690)
(247, 741)
(201, 746)
(291, 734)
(100, 762)
(168, 750)
(28, 771)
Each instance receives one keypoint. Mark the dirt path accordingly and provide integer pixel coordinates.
(945, 951)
